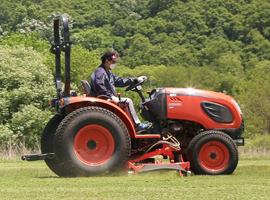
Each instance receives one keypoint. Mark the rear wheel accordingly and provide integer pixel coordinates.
(213, 153)
(47, 142)
(92, 141)
(94, 144)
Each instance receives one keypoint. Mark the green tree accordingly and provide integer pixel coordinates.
(94, 39)
(19, 14)
(25, 85)
(83, 64)
(156, 6)
(254, 101)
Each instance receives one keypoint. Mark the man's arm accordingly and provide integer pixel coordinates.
(122, 81)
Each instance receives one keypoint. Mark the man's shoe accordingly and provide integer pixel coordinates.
(143, 127)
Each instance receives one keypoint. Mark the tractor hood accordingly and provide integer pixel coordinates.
(197, 93)
(212, 110)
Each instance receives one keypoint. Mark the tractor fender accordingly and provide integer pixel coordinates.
(74, 103)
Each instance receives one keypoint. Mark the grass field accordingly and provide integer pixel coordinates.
(34, 180)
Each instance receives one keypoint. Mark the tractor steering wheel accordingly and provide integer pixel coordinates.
(131, 87)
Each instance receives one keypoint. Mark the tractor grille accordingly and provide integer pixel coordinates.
(175, 99)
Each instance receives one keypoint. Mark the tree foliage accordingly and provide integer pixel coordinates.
(26, 86)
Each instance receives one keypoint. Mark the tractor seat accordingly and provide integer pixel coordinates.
(86, 88)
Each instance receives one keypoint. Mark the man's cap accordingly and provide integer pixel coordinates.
(110, 55)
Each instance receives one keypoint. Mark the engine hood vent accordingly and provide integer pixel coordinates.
(217, 112)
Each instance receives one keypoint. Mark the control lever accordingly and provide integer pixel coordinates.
(148, 92)
(119, 96)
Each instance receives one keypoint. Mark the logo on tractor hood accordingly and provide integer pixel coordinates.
(171, 105)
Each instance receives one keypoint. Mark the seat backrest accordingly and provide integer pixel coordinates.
(86, 88)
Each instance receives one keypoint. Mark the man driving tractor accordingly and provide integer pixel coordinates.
(103, 82)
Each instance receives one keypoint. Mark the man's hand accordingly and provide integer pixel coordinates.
(142, 78)
(115, 99)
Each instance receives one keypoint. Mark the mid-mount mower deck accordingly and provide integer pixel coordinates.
(197, 130)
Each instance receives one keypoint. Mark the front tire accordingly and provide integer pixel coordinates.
(92, 141)
(213, 153)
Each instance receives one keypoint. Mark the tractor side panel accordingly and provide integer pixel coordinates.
(185, 104)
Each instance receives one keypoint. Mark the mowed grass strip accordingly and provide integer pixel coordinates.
(34, 180)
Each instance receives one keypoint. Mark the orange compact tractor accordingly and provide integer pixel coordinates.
(195, 130)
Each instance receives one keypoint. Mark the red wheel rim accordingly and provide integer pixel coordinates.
(214, 156)
(94, 145)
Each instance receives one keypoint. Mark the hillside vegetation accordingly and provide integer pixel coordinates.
(220, 45)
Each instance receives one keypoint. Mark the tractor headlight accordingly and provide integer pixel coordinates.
(238, 107)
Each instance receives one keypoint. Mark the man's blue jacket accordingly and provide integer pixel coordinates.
(103, 82)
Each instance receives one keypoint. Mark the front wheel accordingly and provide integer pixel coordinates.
(92, 141)
(213, 153)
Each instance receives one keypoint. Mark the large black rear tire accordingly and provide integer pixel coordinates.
(47, 142)
(213, 153)
(92, 141)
